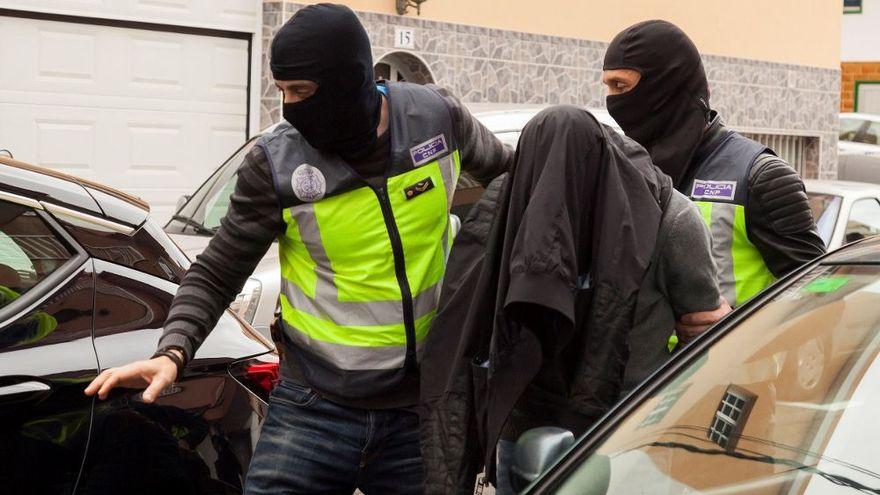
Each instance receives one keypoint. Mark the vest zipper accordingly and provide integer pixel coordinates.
(400, 270)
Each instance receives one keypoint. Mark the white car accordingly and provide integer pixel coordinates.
(858, 147)
(197, 217)
(859, 133)
(844, 211)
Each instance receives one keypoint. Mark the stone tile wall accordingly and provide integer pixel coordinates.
(490, 65)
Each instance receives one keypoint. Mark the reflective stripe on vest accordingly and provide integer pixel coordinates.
(362, 265)
(340, 296)
(741, 270)
(719, 185)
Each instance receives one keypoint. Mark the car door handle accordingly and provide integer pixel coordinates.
(23, 389)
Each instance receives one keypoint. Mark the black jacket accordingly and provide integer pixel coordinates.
(559, 272)
(779, 221)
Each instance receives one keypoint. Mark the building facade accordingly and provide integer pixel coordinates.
(790, 106)
(860, 58)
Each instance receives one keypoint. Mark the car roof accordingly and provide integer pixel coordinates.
(841, 187)
(509, 117)
(866, 251)
(47, 185)
(864, 116)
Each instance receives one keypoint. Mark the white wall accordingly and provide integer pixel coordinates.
(860, 36)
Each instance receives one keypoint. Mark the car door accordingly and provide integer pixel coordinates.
(46, 351)
(196, 438)
(782, 398)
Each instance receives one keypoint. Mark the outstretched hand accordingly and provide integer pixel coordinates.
(154, 374)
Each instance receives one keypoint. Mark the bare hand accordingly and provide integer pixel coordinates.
(694, 324)
(154, 374)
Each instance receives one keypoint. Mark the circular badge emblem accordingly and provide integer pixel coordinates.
(308, 183)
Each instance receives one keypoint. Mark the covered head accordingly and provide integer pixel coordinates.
(327, 44)
(668, 109)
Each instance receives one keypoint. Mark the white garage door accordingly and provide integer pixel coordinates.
(146, 111)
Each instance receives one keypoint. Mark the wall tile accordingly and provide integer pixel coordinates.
(484, 64)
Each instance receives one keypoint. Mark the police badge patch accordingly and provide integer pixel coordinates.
(308, 183)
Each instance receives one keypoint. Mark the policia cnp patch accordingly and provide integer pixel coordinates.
(419, 187)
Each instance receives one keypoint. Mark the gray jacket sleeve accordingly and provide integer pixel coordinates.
(483, 156)
(778, 217)
(686, 271)
(252, 222)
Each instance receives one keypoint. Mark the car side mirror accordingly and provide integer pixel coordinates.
(181, 201)
(536, 451)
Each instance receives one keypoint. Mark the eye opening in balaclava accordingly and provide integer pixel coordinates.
(327, 44)
(668, 110)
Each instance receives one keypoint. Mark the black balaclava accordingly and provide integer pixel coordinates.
(327, 44)
(668, 110)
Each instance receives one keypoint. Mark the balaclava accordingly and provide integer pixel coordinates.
(326, 44)
(668, 110)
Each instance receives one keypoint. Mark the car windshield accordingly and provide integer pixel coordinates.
(202, 213)
(786, 403)
(825, 208)
(849, 128)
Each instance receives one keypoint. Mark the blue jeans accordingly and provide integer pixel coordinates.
(311, 445)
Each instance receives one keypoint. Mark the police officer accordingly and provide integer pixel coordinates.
(754, 202)
(356, 186)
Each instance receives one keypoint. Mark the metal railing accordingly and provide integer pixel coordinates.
(793, 149)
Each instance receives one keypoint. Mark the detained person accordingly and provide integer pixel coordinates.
(356, 186)
(562, 289)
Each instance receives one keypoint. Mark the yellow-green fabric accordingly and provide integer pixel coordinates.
(7, 295)
(340, 288)
(742, 273)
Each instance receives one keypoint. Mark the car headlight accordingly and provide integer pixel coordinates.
(245, 304)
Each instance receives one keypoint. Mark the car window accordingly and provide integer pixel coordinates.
(209, 203)
(29, 251)
(509, 137)
(849, 129)
(217, 204)
(864, 220)
(871, 134)
(784, 403)
(825, 208)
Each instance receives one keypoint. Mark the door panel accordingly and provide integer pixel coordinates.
(46, 353)
(46, 360)
(196, 438)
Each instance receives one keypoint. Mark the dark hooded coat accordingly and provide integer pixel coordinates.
(557, 265)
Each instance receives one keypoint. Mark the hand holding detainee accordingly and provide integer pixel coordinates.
(690, 326)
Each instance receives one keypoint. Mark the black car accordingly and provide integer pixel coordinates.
(781, 397)
(86, 281)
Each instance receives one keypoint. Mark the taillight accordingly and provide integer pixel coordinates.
(259, 375)
(263, 375)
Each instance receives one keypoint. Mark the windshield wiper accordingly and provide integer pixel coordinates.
(199, 228)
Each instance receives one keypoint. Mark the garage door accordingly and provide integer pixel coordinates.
(146, 111)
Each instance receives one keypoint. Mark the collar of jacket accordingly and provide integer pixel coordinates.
(715, 133)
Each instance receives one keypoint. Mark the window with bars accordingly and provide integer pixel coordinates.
(797, 151)
(663, 407)
(731, 416)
